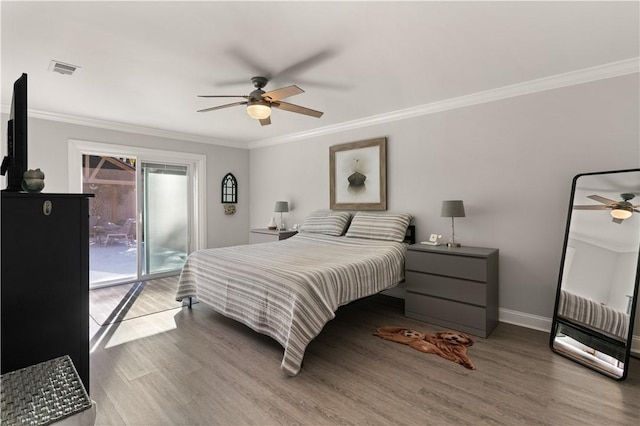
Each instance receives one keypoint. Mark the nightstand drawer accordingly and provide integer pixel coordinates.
(447, 288)
(445, 311)
(470, 268)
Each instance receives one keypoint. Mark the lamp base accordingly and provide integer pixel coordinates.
(454, 245)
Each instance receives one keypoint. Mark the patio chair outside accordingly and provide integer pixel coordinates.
(126, 232)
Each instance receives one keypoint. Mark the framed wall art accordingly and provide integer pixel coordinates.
(358, 175)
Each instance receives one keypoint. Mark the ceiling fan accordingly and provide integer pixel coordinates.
(259, 102)
(620, 210)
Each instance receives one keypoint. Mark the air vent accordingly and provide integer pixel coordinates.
(62, 68)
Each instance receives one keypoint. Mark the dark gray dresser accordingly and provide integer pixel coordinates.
(455, 288)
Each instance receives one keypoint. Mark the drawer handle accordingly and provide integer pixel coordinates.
(47, 206)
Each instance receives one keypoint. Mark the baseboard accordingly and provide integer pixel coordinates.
(524, 320)
(544, 324)
(521, 319)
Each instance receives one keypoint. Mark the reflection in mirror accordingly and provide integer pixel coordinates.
(598, 286)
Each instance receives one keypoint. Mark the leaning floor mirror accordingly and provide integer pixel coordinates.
(598, 284)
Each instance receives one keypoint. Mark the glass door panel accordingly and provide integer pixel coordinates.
(165, 217)
(112, 213)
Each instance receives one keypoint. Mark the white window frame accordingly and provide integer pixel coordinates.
(197, 164)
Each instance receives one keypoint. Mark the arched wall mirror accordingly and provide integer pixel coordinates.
(229, 189)
(598, 283)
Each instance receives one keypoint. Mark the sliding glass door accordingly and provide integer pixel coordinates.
(165, 217)
(146, 213)
(112, 218)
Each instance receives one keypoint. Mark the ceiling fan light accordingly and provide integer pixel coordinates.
(258, 110)
(620, 214)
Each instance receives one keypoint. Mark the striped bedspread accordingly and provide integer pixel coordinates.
(593, 314)
(290, 289)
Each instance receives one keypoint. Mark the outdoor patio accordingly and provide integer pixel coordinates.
(111, 262)
(117, 262)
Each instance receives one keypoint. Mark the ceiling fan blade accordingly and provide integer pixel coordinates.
(296, 108)
(294, 69)
(248, 61)
(283, 92)
(223, 96)
(222, 106)
(593, 207)
(601, 199)
(265, 121)
(228, 83)
(324, 84)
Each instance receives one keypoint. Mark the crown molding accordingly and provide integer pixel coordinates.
(123, 127)
(130, 128)
(610, 70)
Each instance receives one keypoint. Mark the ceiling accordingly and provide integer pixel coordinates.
(143, 63)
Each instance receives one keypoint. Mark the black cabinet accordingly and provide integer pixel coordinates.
(45, 280)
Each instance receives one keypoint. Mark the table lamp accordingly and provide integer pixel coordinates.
(452, 209)
(281, 207)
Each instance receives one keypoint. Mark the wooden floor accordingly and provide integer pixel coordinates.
(126, 301)
(184, 367)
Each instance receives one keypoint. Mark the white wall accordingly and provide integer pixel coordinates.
(511, 161)
(591, 268)
(48, 146)
(625, 271)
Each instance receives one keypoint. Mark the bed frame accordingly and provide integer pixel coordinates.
(410, 237)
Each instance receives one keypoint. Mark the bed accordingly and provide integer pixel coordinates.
(290, 289)
(593, 315)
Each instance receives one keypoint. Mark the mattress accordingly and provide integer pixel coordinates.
(290, 289)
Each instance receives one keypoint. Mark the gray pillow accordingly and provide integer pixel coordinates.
(379, 226)
(326, 222)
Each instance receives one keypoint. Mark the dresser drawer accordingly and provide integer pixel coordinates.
(448, 312)
(447, 288)
(470, 268)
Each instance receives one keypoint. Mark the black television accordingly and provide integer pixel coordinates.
(14, 163)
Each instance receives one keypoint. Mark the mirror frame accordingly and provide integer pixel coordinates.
(229, 191)
(558, 322)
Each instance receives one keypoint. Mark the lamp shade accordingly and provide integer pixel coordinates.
(281, 206)
(258, 110)
(452, 208)
(621, 213)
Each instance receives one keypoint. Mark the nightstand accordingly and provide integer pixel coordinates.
(267, 235)
(455, 288)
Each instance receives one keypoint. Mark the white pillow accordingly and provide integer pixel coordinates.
(379, 226)
(326, 222)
